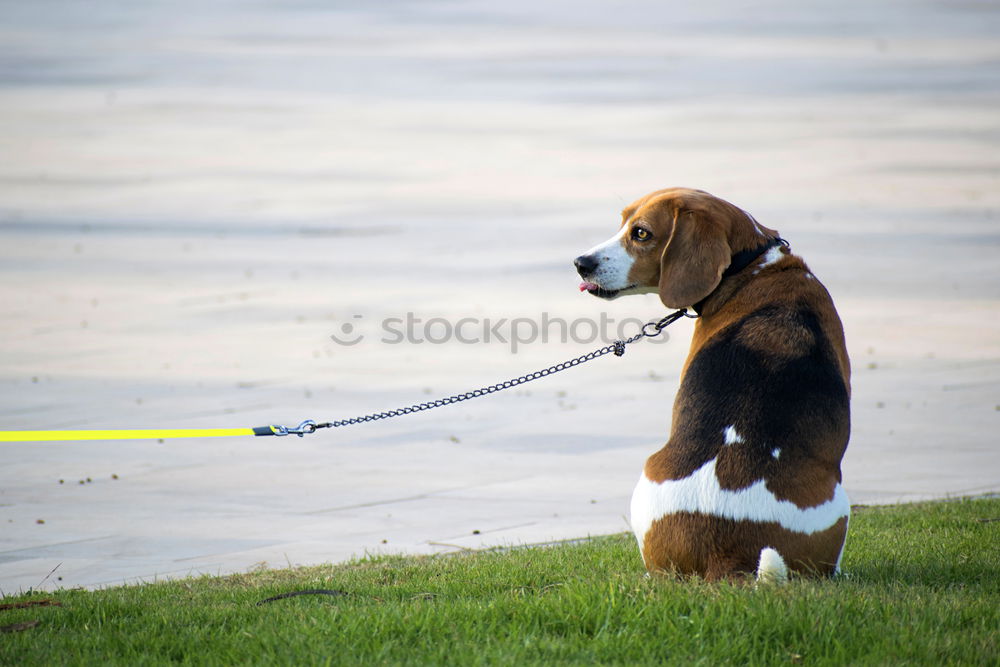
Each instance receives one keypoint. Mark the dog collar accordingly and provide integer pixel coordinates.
(740, 261)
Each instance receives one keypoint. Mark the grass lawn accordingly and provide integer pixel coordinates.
(922, 587)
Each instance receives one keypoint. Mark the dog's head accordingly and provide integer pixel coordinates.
(675, 242)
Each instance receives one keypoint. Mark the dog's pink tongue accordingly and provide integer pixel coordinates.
(587, 287)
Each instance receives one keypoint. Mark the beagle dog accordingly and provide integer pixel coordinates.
(749, 481)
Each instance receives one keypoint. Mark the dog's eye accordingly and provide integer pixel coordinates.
(640, 234)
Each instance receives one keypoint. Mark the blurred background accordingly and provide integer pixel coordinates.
(195, 196)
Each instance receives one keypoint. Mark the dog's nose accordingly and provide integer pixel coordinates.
(585, 264)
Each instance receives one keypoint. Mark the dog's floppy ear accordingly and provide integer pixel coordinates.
(693, 260)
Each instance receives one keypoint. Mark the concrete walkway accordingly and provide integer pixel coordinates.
(196, 199)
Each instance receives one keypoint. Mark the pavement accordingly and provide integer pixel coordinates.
(215, 215)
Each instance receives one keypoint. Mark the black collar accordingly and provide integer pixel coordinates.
(740, 261)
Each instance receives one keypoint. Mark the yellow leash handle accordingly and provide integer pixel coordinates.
(307, 426)
(122, 434)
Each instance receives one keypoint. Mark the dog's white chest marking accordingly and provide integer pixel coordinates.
(772, 256)
(701, 492)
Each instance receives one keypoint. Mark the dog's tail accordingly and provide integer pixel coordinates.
(771, 567)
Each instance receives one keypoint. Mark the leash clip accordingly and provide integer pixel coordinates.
(652, 329)
(308, 426)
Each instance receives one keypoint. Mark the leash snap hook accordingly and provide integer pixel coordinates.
(308, 426)
(659, 326)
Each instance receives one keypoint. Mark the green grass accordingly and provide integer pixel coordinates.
(923, 587)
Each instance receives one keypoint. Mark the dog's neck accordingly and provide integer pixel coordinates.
(740, 261)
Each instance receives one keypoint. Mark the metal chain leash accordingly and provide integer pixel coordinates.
(649, 330)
